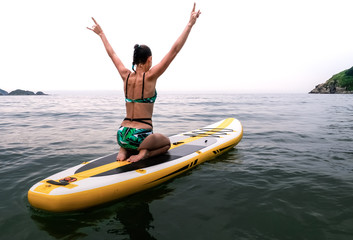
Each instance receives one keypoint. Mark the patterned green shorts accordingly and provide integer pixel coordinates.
(131, 138)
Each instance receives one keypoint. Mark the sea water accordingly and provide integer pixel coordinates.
(291, 176)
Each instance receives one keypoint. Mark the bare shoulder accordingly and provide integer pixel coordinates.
(124, 74)
(151, 76)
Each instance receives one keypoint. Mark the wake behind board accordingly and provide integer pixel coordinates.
(105, 179)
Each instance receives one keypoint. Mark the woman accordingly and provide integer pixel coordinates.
(135, 134)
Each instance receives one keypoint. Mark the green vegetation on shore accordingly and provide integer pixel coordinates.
(343, 79)
(339, 83)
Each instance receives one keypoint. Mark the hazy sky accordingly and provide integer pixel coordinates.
(242, 46)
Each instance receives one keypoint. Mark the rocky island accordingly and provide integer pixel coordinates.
(339, 83)
(20, 92)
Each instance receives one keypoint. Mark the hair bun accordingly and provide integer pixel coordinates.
(136, 46)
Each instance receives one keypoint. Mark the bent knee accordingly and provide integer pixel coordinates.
(161, 138)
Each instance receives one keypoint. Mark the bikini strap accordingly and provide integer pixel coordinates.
(127, 80)
(141, 120)
(143, 84)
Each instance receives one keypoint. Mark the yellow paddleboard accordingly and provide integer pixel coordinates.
(104, 179)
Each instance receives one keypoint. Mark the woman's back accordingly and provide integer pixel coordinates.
(140, 95)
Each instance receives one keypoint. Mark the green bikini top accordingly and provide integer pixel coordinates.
(142, 99)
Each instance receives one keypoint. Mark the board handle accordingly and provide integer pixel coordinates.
(61, 183)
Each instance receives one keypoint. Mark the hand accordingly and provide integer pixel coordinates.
(96, 28)
(194, 15)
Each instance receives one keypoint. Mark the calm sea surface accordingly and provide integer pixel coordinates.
(291, 176)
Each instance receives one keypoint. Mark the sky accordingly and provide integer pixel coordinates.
(244, 46)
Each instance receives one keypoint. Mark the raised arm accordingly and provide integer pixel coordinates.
(159, 69)
(123, 71)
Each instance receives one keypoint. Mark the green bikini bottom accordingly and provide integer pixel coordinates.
(131, 138)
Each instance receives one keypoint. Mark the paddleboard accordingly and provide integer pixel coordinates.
(105, 179)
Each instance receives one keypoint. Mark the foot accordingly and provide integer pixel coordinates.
(122, 155)
(142, 155)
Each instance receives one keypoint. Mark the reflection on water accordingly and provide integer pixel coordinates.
(130, 217)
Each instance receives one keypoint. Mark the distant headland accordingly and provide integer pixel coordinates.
(341, 83)
(19, 92)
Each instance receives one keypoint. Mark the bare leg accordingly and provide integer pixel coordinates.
(159, 151)
(122, 155)
(143, 153)
(155, 144)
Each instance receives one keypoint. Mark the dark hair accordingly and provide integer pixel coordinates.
(141, 53)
